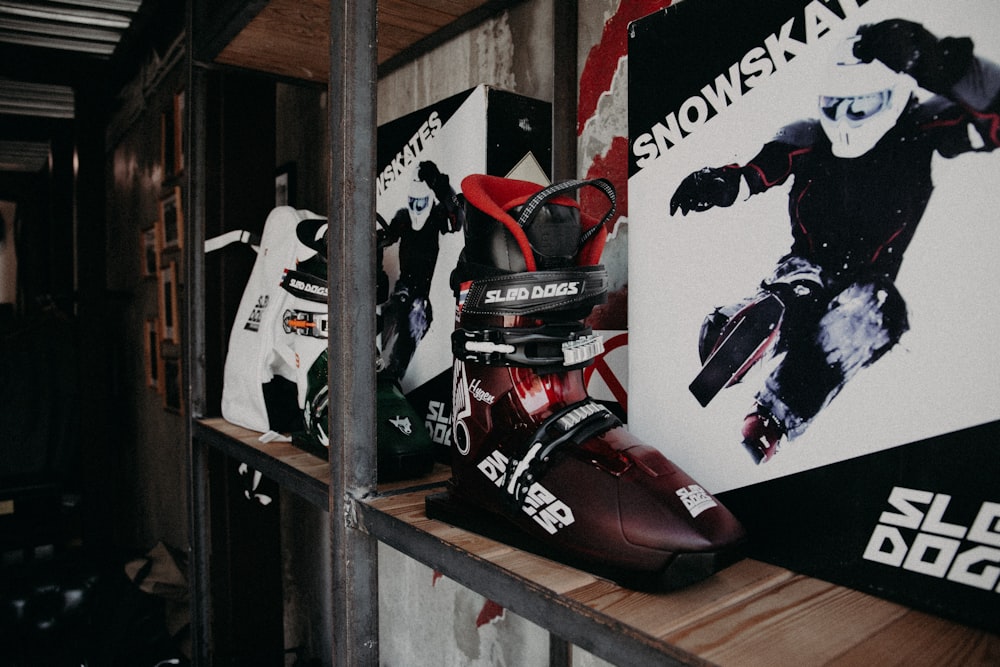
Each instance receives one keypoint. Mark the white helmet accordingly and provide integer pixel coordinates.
(860, 102)
(419, 203)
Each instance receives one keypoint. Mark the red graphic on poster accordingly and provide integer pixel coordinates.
(602, 61)
(595, 80)
(606, 373)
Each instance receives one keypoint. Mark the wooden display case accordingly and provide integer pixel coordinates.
(750, 613)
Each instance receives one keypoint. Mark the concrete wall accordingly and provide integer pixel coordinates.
(512, 51)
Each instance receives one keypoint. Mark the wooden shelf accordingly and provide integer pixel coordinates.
(290, 37)
(295, 470)
(751, 613)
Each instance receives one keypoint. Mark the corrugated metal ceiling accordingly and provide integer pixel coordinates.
(88, 29)
(83, 26)
(24, 156)
(19, 98)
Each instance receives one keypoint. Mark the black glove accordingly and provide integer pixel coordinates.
(383, 233)
(705, 188)
(909, 48)
(428, 172)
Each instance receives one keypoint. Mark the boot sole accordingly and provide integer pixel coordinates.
(682, 570)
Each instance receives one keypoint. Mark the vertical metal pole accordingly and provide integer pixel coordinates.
(194, 352)
(565, 87)
(560, 652)
(564, 156)
(352, 93)
(194, 211)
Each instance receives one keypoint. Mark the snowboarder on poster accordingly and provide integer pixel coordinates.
(432, 209)
(860, 181)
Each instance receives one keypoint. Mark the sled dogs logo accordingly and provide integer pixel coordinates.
(403, 424)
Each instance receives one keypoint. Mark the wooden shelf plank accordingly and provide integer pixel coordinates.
(751, 613)
(659, 615)
(290, 38)
(293, 469)
(920, 639)
(298, 471)
(799, 621)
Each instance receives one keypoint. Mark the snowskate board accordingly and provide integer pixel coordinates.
(742, 343)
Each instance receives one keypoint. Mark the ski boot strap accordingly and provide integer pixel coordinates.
(305, 286)
(532, 292)
(547, 348)
(571, 426)
(526, 214)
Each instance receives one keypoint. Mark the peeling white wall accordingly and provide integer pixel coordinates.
(428, 619)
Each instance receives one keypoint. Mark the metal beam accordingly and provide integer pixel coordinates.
(565, 87)
(351, 251)
(195, 152)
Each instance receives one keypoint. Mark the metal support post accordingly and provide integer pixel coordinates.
(352, 92)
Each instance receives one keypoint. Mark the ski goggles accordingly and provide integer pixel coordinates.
(855, 109)
(418, 204)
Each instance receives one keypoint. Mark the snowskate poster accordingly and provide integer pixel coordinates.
(812, 191)
(422, 158)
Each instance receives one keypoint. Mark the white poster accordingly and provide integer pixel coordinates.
(874, 252)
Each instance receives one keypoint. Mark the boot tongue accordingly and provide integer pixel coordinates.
(554, 235)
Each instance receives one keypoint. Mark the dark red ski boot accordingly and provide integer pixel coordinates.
(536, 462)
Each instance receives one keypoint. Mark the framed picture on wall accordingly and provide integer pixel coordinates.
(172, 388)
(150, 245)
(179, 132)
(170, 329)
(172, 219)
(153, 361)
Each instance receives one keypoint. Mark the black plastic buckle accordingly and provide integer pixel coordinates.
(303, 323)
(571, 426)
(551, 346)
